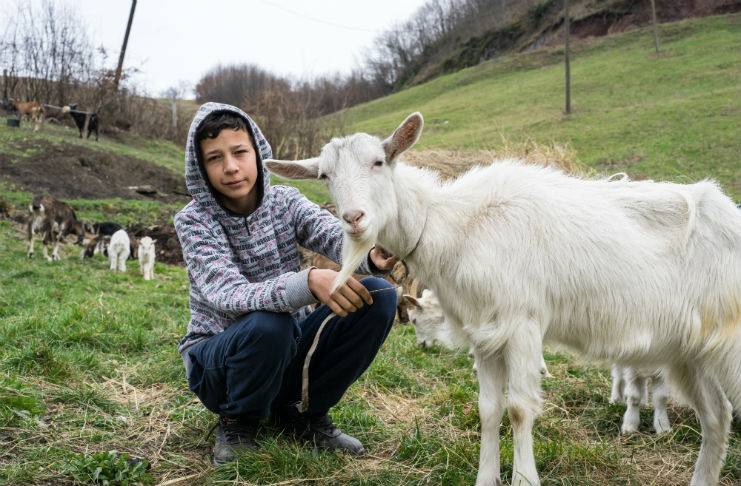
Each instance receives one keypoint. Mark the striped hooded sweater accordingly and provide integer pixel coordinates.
(238, 264)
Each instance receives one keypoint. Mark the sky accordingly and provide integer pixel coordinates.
(174, 42)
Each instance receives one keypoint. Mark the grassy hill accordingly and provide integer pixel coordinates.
(675, 116)
(89, 362)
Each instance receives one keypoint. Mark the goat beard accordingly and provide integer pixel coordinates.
(354, 252)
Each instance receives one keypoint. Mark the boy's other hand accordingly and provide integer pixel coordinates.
(349, 297)
(382, 259)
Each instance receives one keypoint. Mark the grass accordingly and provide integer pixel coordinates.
(673, 116)
(89, 365)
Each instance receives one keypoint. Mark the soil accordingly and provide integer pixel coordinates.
(71, 171)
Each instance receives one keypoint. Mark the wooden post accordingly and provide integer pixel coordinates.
(567, 55)
(123, 48)
(174, 102)
(655, 25)
(88, 115)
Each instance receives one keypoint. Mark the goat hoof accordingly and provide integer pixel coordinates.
(662, 426)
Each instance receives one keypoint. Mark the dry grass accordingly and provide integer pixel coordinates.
(451, 163)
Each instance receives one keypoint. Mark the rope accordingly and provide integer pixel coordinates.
(303, 405)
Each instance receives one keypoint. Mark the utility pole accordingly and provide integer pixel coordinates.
(655, 26)
(123, 48)
(567, 55)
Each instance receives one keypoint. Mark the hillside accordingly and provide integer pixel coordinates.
(674, 116)
(502, 28)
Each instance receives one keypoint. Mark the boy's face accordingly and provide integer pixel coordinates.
(231, 166)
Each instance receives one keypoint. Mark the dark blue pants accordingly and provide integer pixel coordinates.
(254, 366)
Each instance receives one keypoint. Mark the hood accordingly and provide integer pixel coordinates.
(195, 176)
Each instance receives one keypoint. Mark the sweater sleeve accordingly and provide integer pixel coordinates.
(318, 230)
(217, 278)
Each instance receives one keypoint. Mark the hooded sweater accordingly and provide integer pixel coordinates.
(242, 263)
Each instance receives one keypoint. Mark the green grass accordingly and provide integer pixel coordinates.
(675, 116)
(89, 365)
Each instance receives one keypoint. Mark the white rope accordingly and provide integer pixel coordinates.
(303, 405)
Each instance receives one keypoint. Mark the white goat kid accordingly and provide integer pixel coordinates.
(639, 273)
(147, 256)
(118, 250)
(631, 386)
(431, 326)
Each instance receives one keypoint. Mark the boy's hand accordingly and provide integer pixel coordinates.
(382, 259)
(349, 297)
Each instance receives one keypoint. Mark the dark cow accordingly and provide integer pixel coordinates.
(55, 220)
(79, 118)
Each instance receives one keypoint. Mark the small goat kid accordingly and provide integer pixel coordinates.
(119, 250)
(631, 386)
(146, 254)
(431, 327)
(642, 274)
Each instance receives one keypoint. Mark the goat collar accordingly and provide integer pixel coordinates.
(419, 238)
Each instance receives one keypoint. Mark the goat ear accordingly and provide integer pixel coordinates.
(409, 300)
(404, 136)
(294, 169)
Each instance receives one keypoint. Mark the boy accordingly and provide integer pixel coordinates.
(250, 329)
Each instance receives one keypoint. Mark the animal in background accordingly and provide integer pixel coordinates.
(31, 110)
(631, 386)
(146, 254)
(54, 220)
(79, 118)
(118, 251)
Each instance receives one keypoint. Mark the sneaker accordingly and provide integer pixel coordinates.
(233, 434)
(322, 433)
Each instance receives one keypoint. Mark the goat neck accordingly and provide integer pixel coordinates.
(413, 190)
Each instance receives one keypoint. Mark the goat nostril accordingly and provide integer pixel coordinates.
(352, 217)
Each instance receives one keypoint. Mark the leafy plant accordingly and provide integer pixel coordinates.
(109, 469)
(17, 402)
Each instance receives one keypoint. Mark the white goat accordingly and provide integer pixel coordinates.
(147, 255)
(429, 322)
(641, 274)
(630, 386)
(118, 250)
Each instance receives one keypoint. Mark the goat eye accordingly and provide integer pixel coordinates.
(378, 163)
(324, 176)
